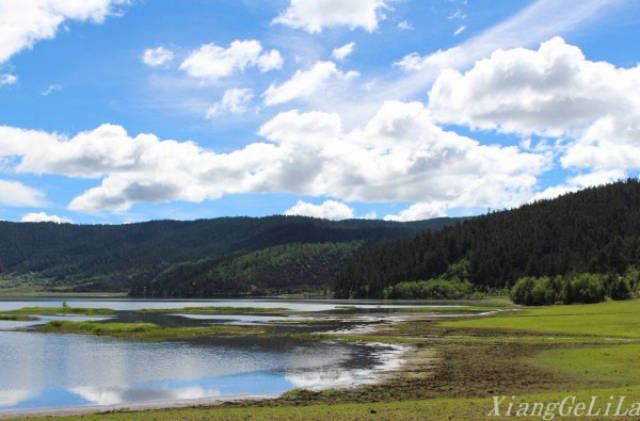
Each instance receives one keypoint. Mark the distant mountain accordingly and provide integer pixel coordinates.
(194, 258)
(593, 230)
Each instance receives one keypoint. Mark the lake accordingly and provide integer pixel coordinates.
(65, 370)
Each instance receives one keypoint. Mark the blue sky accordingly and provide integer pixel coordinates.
(118, 111)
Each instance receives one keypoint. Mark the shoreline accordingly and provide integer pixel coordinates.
(385, 370)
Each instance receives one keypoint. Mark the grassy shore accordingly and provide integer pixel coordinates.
(16, 317)
(30, 293)
(613, 318)
(147, 331)
(60, 311)
(458, 366)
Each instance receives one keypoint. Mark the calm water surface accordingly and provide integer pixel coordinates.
(138, 304)
(50, 370)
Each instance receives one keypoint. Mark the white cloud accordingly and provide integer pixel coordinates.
(329, 209)
(157, 56)
(537, 22)
(553, 91)
(343, 52)
(7, 79)
(234, 101)
(399, 155)
(371, 215)
(13, 193)
(581, 181)
(51, 89)
(43, 217)
(212, 62)
(460, 30)
(23, 23)
(405, 25)
(553, 192)
(305, 83)
(612, 141)
(270, 61)
(527, 91)
(597, 178)
(419, 211)
(314, 15)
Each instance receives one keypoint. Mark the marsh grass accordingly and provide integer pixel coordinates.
(147, 331)
(17, 317)
(57, 311)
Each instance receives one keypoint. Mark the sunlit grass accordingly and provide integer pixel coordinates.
(611, 319)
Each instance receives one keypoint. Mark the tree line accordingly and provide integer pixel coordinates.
(595, 230)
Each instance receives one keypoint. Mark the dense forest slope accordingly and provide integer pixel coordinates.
(593, 230)
(179, 258)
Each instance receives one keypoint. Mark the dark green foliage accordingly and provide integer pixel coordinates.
(280, 269)
(130, 257)
(619, 288)
(595, 230)
(583, 288)
(532, 291)
(632, 277)
(432, 289)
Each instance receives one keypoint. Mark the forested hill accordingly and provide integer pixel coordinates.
(593, 230)
(126, 257)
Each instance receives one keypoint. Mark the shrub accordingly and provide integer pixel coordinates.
(434, 289)
(632, 277)
(584, 288)
(535, 291)
(619, 288)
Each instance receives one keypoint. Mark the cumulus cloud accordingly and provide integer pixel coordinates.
(343, 52)
(527, 91)
(271, 60)
(43, 217)
(314, 15)
(234, 101)
(157, 56)
(581, 181)
(405, 25)
(553, 91)
(537, 22)
(401, 155)
(398, 155)
(13, 193)
(329, 209)
(419, 211)
(7, 79)
(23, 23)
(212, 62)
(305, 83)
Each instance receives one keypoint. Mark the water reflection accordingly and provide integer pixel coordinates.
(53, 371)
(240, 319)
(137, 304)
